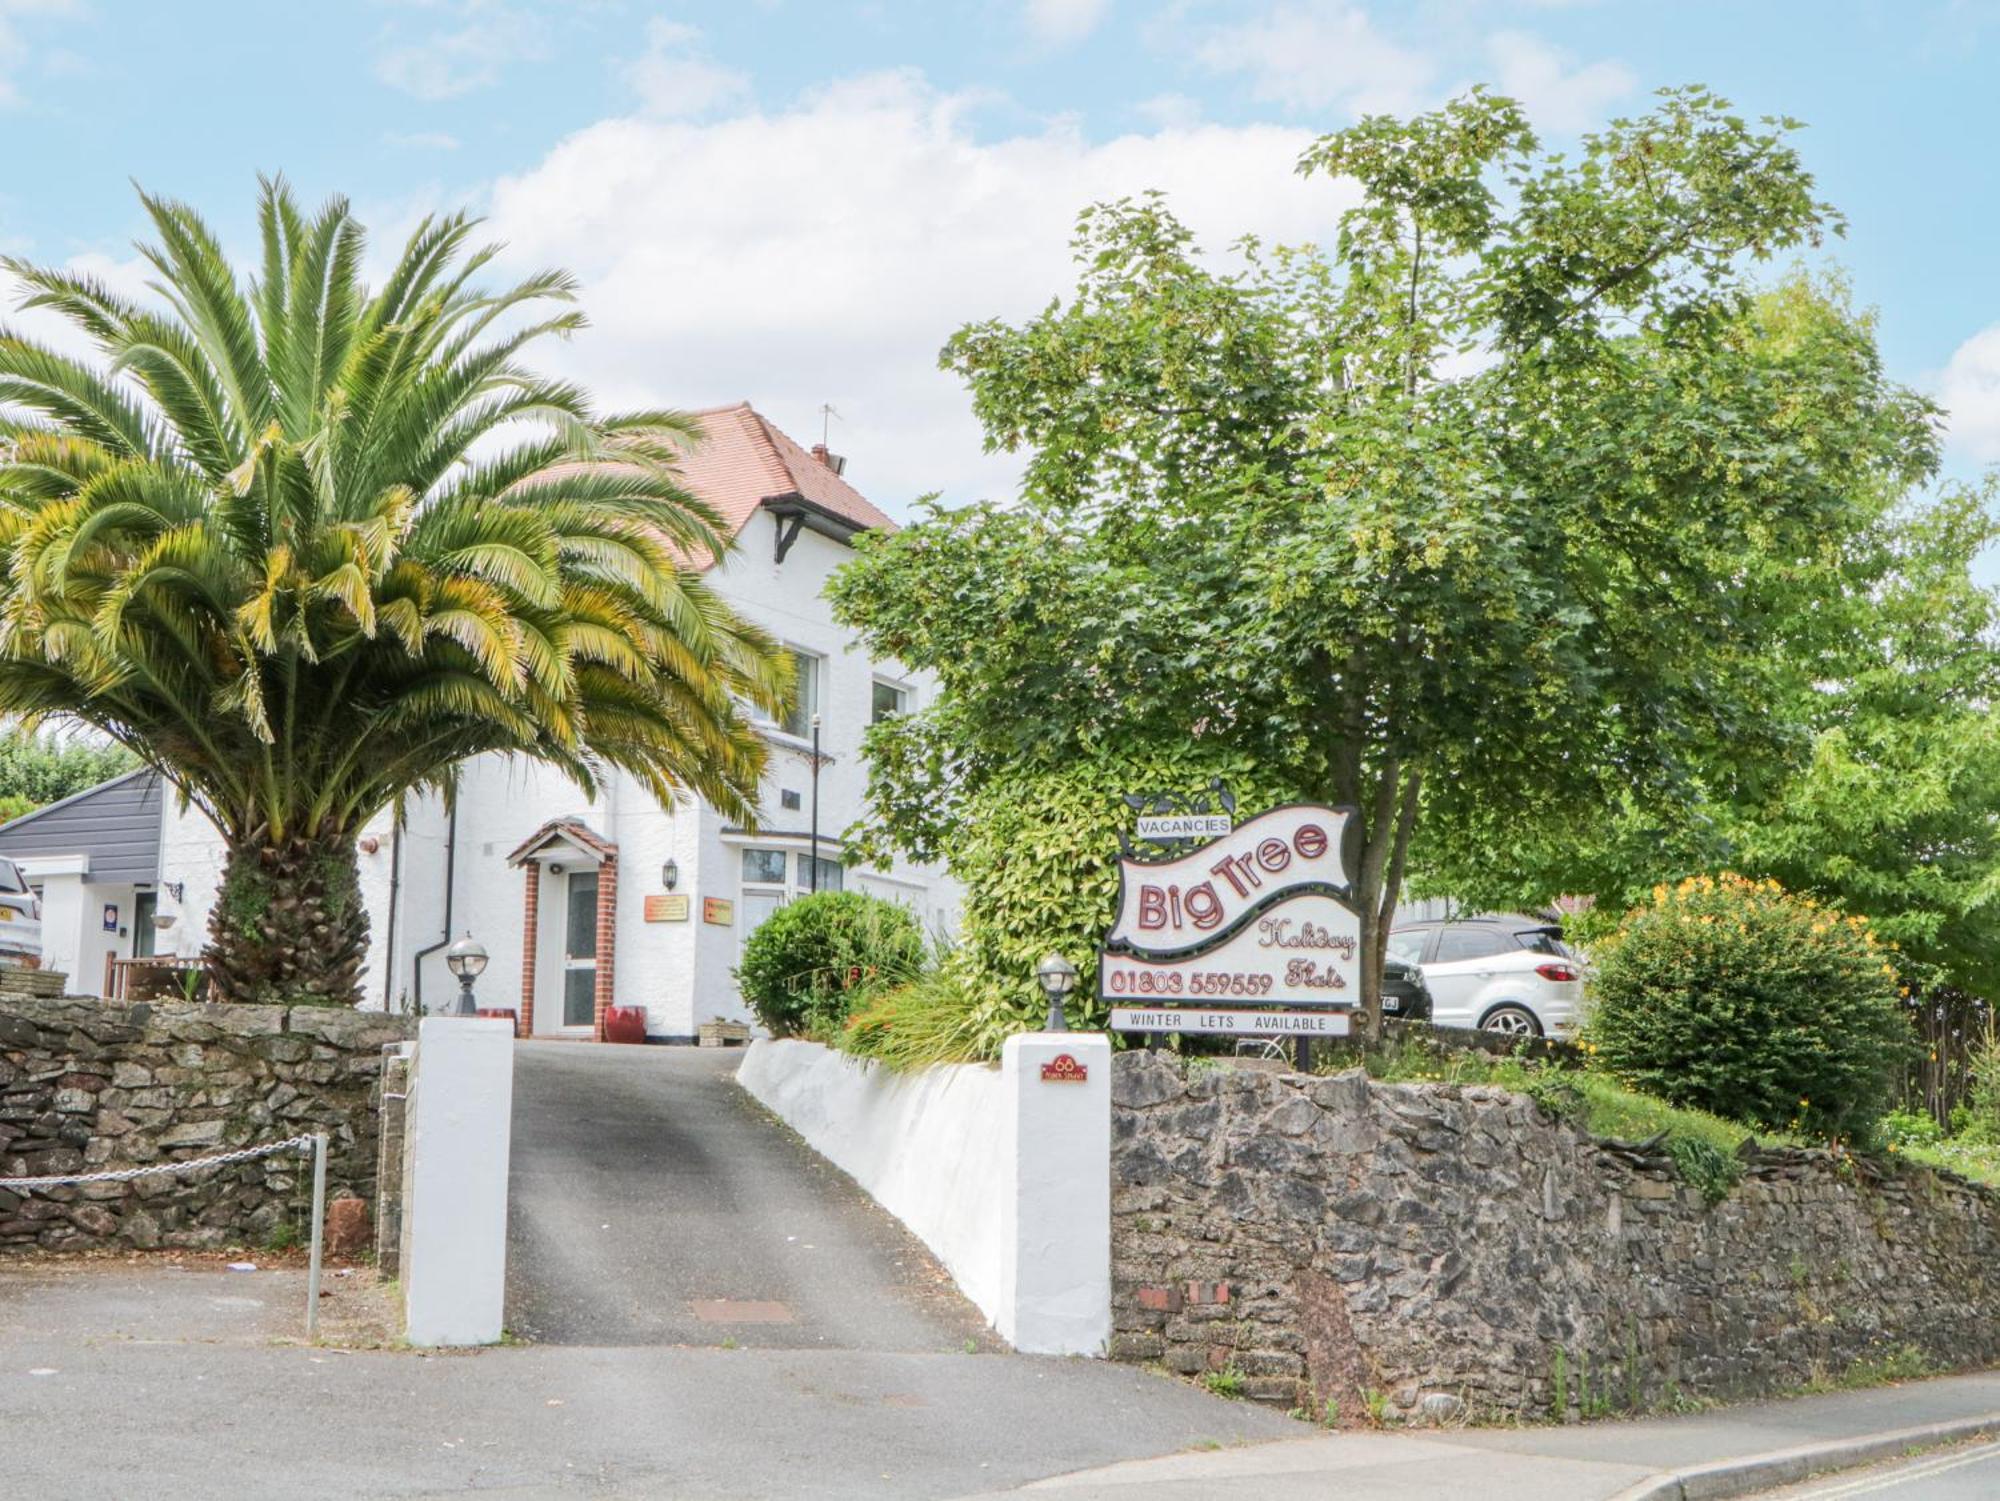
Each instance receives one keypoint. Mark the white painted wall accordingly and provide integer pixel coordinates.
(193, 852)
(454, 1252)
(1005, 1176)
(74, 939)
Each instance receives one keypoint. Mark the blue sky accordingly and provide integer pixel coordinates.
(795, 201)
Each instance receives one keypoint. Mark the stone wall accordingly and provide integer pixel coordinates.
(1432, 1250)
(87, 1085)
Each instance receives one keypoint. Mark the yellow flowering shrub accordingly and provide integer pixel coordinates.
(1742, 999)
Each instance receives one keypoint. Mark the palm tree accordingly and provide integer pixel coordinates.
(305, 546)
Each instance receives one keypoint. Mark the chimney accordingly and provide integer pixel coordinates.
(832, 460)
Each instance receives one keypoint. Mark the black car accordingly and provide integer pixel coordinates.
(1405, 996)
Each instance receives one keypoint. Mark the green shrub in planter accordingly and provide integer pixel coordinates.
(814, 957)
(1738, 998)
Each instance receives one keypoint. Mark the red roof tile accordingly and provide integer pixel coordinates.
(744, 460)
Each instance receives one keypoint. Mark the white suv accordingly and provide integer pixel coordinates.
(20, 917)
(1500, 974)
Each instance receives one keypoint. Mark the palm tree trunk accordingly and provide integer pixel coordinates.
(289, 925)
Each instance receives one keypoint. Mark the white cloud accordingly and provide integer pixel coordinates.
(675, 77)
(825, 251)
(1315, 55)
(469, 56)
(1063, 22)
(1969, 389)
(1171, 111)
(1557, 95)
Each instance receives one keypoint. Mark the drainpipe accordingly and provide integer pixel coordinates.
(813, 883)
(395, 889)
(450, 866)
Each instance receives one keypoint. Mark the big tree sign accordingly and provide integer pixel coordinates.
(1253, 932)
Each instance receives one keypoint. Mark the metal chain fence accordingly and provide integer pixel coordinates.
(313, 1146)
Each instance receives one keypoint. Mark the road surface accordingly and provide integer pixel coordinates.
(1962, 1472)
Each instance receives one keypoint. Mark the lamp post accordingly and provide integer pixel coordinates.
(467, 960)
(1058, 979)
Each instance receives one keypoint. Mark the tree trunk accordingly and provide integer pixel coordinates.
(289, 926)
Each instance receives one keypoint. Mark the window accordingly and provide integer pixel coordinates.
(831, 873)
(1543, 941)
(805, 702)
(764, 867)
(1471, 943)
(1408, 945)
(889, 702)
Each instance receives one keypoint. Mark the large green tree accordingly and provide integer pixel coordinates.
(1884, 799)
(305, 545)
(1509, 499)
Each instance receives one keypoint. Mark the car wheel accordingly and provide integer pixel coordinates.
(1514, 1021)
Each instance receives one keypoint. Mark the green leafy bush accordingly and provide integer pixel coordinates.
(942, 1016)
(1910, 1128)
(1736, 997)
(814, 957)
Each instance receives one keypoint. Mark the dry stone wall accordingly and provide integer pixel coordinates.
(87, 1085)
(1431, 1251)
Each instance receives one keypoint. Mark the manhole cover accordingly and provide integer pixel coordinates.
(739, 1311)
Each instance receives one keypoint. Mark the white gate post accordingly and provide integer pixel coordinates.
(459, 1114)
(1056, 1175)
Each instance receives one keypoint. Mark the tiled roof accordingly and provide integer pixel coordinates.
(572, 831)
(744, 460)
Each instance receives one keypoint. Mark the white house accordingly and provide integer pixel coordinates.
(617, 901)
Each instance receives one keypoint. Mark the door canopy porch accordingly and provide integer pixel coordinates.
(565, 839)
(561, 839)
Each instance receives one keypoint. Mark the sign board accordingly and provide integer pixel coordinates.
(1183, 904)
(1165, 826)
(665, 908)
(1304, 951)
(717, 910)
(1249, 933)
(1064, 1069)
(1240, 1023)
(111, 917)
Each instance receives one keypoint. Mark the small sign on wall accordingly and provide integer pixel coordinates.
(1064, 1069)
(111, 917)
(718, 910)
(664, 908)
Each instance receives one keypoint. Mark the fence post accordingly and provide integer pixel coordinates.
(318, 1234)
(454, 1263)
(1055, 1176)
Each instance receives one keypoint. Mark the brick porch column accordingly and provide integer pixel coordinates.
(607, 940)
(531, 906)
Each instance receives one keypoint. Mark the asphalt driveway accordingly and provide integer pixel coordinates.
(655, 1203)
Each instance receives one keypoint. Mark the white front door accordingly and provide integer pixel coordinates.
(579, 966)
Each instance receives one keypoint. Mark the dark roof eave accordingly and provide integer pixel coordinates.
(822, 519)
(76, 797)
